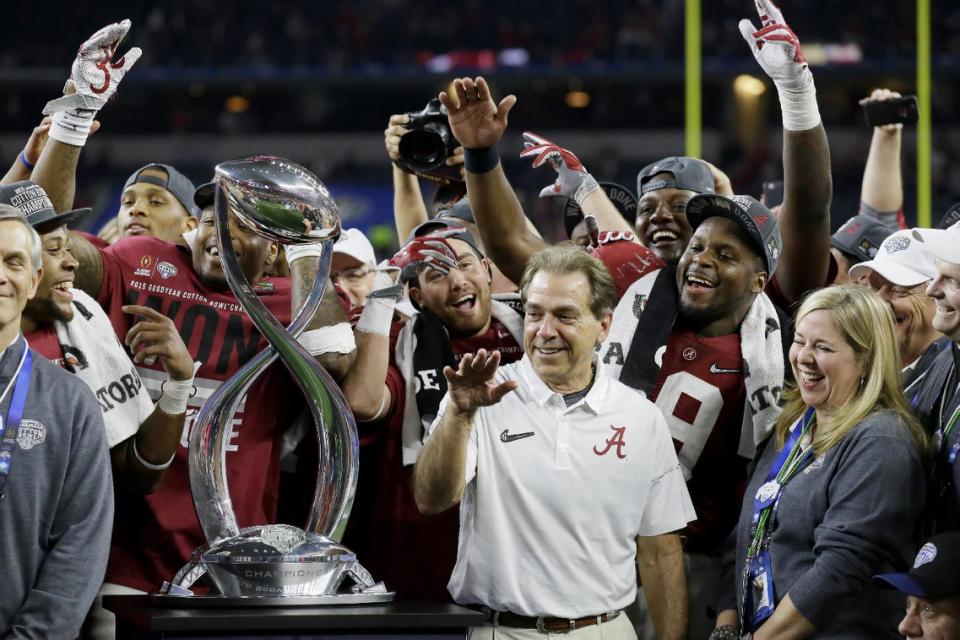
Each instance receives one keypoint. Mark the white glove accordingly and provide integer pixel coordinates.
(573, 179)
(778, 52)
(94, 78)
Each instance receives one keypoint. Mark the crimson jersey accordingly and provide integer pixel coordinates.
(701, 392)
(44, 341)
(155, 534)
(412, 553)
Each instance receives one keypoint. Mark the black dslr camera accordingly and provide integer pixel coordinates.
(428, 143)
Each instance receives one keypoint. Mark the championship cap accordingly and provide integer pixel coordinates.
(353, 243)
(438, 224)
(758, 221)
(176, 183)
(935, 573)
(688, 173)
(33, 202)
(860, 237)
(621, 197)
(942, 243)
(902, 259)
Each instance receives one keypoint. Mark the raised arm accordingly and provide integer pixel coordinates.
(94, 78)
(409, 209)
(805, 214)
(881, 194)
(23, 165)
(439, 476)
(478, 123)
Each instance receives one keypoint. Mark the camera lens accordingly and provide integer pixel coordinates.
(425, 148)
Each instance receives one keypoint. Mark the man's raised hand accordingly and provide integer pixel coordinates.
(573, 180)
(475, 119)
(471, 385)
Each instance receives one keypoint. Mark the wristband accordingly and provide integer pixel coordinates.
(297, 251)
(588, 186)
(25, 162)
(798, 104)
(173, 402)
(725, 632)
(72, 126)
(150, 465)
(481, 160)
(335, 339)
(377, 315)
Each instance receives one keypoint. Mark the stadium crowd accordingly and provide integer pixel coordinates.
(706, 415)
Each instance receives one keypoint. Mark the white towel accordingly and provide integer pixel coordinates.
(761, 346)
(93, 353)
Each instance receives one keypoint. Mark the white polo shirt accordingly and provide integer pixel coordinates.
(556, 496)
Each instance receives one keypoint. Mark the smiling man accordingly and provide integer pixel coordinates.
(938, 401)
(157, 201)
(524, 448)
(395, 388)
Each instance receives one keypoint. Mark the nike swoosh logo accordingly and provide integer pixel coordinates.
(714, 369)
(506, 436)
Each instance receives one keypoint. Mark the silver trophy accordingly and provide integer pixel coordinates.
(285, 203)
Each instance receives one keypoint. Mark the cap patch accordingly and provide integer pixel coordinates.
(926, 555)
(895, 245)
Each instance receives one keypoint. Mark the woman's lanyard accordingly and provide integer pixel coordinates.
(759, 596)
(20, 382)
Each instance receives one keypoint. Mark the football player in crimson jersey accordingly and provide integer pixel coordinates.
(395, 387)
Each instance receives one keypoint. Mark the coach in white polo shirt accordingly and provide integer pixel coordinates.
(566, 476)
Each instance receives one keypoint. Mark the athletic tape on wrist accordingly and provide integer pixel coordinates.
(173, 402)
(798, 104)
(481, 160)
(150, 465)
(336, 339)
(72, 126)
(588, 186)
(377, 316)
(297, 251)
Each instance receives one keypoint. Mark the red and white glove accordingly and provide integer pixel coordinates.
(425, 252)
(573, 180)
(94, 78)
(778, 52)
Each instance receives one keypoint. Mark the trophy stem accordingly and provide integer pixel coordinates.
(336, 433)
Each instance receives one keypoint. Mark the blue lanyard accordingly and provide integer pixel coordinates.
(10, 426)
(769, 492)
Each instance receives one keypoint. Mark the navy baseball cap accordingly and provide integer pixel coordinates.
(460, 210)
(935, 573)
(757, 220)
(34, 203)
(688, 173)
(436, 224)
(950, 218)
(203, 196)
(179, 185)
(621, 197)
(860, 237)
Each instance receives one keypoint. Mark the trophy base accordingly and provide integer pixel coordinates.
(277, 562)
(166, 600)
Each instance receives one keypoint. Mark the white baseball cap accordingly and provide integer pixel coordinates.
(941, 243)
(353, 243)
(902, 260)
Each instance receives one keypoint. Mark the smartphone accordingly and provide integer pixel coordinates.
(897, 111)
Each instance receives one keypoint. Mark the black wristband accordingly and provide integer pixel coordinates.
(481, 160)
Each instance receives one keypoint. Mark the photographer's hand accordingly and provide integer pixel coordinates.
(475, 119)
(393, 133)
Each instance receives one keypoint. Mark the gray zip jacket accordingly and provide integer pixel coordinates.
(57, 511)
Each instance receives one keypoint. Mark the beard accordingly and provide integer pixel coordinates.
(43, 311)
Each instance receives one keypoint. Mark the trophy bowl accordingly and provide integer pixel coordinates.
(279, 199)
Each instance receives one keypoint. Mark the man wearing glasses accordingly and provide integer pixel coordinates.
(354, 266)
(900, 273)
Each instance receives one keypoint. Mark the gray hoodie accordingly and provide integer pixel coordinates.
(846, 516)
(57, 511)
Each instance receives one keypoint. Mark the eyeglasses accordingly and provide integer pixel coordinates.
(353, 276)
